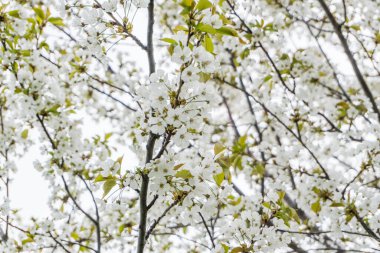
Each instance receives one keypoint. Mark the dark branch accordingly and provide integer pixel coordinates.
(208, 231)
(343, 41)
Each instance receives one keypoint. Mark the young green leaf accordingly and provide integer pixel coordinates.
(316, 206)
(108, 185)
(56, 21)
(24, 134)
(227, 31)
(40, 13)
(218, 148)
(206, 28)
(219, 178)
(203, 4)
(185, 174)
(169, 40)
(208, 45)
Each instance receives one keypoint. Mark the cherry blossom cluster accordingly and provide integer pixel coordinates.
(251, 126)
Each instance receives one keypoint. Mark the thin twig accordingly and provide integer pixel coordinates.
(208, 231)
(343, 41)
(157, 221)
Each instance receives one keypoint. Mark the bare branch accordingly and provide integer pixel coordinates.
(208, 231)
(343, 41)
(157, 221)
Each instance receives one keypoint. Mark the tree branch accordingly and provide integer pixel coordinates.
(96, 222)
(343, 41)
(208, 231)
(151, 141)
(156, 222)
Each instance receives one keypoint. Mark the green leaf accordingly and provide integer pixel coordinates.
(361, 108)
(206, 28)
(54, 109)
(208, 45)
(343, 105)
(170, 41)
(227, 31)
(285, 71)
(204, 77)
(99, 178)
(237, 250)
(48, 12)
(108, 185)
(178, 166)
(31, 20)
(377, 37)
(295, 216)
(185, 174)
(218, 148)
(24, 134)
(242, 140)
(349, 217)
(40, 13)
(337, 204)
(56, 21)
(225, 247)
(267, 205)
(75, 236)
(259, 169)
(14, 13)
(224, 162)
(245, 53)
(219, 178)
(187, 3)
(316, 207)
(233, 201)
(316, 190)
(267, 78)
(83, 249)
(237, 162)
(281, 196)
(107, 136)
(15, 66)
(203, 4)
(18, 90)
(27, 240)
(179, 28)
(25, 52)
(171, 49)
(226, 169)
(119, 160)
(356, 27)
